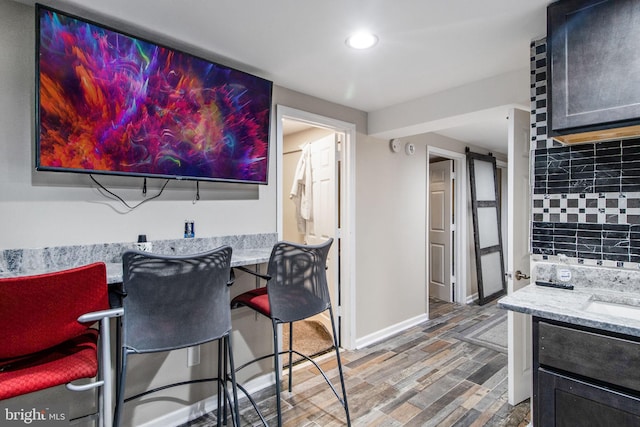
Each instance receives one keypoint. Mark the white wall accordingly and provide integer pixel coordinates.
(390, 236)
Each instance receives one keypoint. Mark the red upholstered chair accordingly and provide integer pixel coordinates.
(296, 289)
(46, 334)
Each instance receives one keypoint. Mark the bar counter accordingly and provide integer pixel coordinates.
(248, 249)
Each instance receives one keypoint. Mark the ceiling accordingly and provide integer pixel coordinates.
(425, 47)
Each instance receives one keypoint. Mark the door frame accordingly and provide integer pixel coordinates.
(520, 365)
(461, 225)
(345, 231)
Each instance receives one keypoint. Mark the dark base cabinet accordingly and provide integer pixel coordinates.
(568, 402)
(584, 377)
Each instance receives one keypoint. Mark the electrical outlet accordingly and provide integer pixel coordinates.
(564, 275)
(189, 229)
(193, 356)
(144, 246)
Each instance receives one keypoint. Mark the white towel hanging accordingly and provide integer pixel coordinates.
(301, 190)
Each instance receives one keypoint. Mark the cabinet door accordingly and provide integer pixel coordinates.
(569, 402)
(607, 359)
(593, 64)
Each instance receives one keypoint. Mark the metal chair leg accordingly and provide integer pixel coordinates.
(222, 410)
(117, 419)
(276, 362)
(234, 385)
(290, 354)
(344, 388)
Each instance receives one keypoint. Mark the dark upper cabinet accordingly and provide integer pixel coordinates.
(593, 65)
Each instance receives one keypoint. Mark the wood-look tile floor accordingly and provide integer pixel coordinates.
(425, 376)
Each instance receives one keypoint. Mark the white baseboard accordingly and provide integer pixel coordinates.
(472, 298)
(389, 331)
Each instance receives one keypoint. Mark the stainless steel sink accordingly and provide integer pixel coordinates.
(629, 308)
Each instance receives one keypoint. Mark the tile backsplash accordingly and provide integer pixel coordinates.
(619, 244)
(585, 198)
(605, 167)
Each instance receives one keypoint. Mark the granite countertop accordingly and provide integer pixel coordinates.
(114, 269)
(250, 256)
(572, 306)
(247, 250)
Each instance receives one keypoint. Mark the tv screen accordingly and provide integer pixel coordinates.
(111, 103)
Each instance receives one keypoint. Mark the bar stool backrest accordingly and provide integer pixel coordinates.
(297, 287)
(41, 311)
(175, 301)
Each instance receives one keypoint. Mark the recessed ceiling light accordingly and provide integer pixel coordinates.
(362, 40)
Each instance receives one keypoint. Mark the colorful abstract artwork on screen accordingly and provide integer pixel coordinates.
(112, 103)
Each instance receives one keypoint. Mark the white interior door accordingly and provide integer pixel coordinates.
(440, 218)
(323, 223)
(519, 214)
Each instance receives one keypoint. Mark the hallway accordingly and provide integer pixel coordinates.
(430, 375)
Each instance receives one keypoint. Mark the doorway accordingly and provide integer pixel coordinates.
(447, 224)
(441, 229)
(310, 209)
(330, 144)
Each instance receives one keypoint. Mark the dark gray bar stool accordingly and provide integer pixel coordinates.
(174, 302)
(296, 289)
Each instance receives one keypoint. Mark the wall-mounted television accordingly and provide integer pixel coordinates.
(111, 103)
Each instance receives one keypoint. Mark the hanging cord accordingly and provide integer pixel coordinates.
(102, 188)
(144, 188)
(197, 192)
